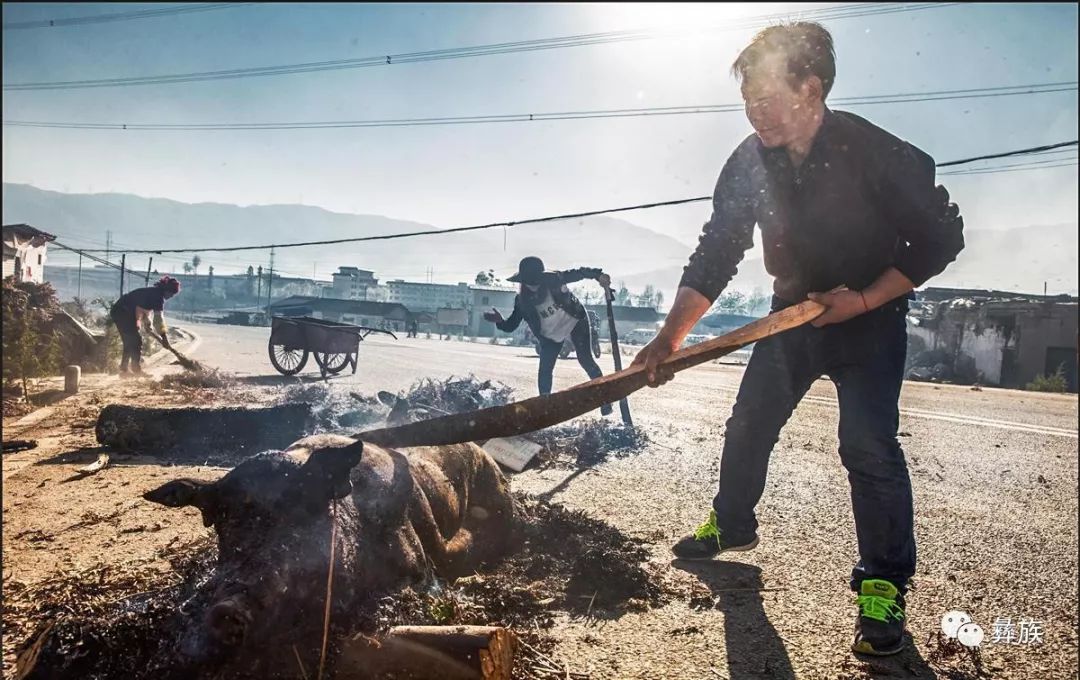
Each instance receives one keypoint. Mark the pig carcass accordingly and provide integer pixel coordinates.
(395, 515)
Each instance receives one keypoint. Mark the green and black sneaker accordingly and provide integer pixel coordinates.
(706, 542)
(879, 629)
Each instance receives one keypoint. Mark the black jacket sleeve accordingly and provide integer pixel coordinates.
(930, 227)
(511, 324)
(579, 274)
(727, 235)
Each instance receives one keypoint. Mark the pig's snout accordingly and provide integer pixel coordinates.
(227, 621)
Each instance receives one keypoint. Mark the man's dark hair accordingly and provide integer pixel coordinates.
(807, 46)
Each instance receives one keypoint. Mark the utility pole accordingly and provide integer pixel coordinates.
(258, 296)
(148, 266)
(123, 258)
(270, 283)
(78, 288)
(108, 243)
(1044, 288)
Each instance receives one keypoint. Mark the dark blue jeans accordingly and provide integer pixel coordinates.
(549, 353)
(864, 357)
(129, 336)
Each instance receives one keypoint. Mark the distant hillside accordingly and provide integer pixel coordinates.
(607, 242)
(1016, 259)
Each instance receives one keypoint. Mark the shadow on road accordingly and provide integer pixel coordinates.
(274, 379)
(754, 648)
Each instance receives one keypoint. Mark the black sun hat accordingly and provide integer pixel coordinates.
(530, 271)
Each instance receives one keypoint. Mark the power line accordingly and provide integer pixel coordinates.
(1042, 165)
(867, 100)
(1018, 152)
(841, 12)
(1042, 88)
(1038, 161)
(537, 220)
(122, 16)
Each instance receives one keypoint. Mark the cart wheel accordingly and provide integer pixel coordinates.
(288, 360)
(332, 363)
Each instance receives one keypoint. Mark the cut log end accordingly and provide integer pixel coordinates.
(430, 652)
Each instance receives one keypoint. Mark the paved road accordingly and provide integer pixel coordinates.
(386, 364)
(994, 474)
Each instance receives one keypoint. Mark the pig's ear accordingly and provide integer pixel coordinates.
(180, 493)
(325, 475)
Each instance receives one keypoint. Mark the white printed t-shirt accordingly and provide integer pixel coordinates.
(555, 322)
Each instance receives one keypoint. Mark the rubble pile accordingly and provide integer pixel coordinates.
(587, 443)
(203, 379)
(455, 395)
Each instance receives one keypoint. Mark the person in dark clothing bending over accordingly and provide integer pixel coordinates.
(844, 207)
(553, 314)
(132, 310)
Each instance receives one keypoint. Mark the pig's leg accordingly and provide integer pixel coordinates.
(489, 519)
(461, 553)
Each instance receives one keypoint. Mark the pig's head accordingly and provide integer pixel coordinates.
(272, 515)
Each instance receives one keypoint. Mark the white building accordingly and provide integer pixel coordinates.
(352, 283)
(25, 252)
(428, 297)
(484, 299)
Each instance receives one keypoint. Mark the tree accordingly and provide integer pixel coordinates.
(659, 300)
(484, 278)
(730, 302)
(651, 297)
(250, 271)
(187, 268)
(29, 346)
(758, 302)
(622, 296)
(195, 262)
(80, 309)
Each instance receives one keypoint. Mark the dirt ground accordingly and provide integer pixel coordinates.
(996, 513)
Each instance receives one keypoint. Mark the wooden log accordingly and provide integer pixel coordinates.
(431, 653)
(13, 445)
(194, 433)
(533, 414)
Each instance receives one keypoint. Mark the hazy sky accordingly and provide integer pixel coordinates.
(463, 174)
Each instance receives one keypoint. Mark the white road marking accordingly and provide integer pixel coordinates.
(955, 418)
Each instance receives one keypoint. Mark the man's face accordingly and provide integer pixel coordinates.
(778, 112)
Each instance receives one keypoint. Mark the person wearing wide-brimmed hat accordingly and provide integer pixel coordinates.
(553, 314)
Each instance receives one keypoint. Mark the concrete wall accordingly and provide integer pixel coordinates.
(986, 347)
(1049, 326)
(31, 263)
(1006, 342)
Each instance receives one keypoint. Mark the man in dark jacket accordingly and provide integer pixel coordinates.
(843, 207)
(553, 314)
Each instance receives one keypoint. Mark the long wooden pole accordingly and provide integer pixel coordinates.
(544, 411)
